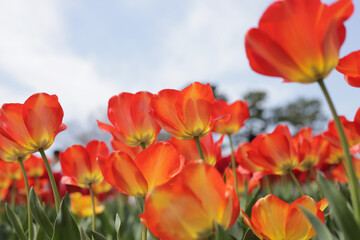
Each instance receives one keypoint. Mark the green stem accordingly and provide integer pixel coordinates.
(13, 194)
(317, 183)
(52, 179)
(296, 182)
(93, 207)
(198, 145)
(353, 182)
(143, 145)
(144, 228)
(30, 230)
(268, 184)
(233, 166)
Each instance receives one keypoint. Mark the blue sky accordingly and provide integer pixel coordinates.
(87, 51)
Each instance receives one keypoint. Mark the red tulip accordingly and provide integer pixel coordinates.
(34, 167)
(188, 149)
(351, 130)
(32, 125)
(118, 145)
(187, 113)
(309, 148)
(272, 218)
(238, 113)
(276, 152)
(189, 206)
(79, 164)
(243, 178)
(350, 67)
(339, 173)
(298, 40)
(132, 123)
(10, 170)
(81, 205)
(154, 166)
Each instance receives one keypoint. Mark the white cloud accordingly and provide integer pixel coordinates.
(36, 55)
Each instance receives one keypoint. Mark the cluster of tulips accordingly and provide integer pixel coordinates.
(185, 187)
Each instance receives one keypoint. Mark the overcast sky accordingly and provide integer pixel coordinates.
(87, 51)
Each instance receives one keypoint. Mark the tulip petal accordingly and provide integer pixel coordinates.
(120, 170)
(43, 117)
(159, 163)
(269, 215)
(166, 216)
(14, 127)
(297, 224)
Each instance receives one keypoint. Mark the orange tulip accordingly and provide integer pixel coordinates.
(187, 113)
(339, 173)
(34, 167)
(276, 152)
(154, 166)
(118, 145)
(350, 67)
(298, 40)
(272, 218)
(81, 205)
(189, 150)
(242, 177)
(309, 148)
(32, 125)
(132, 123)
(10, 170)
(351, 130)
(238, 111)
(79, 164)
(242, 157)
(189, 206)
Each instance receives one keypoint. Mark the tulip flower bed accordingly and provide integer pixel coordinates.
(277, 186)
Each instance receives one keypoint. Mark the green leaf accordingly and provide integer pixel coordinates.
(249, 235)
(41, 234)
(221, 234)
(83, 234)
(65, 225)
(97, 236)
(117, 226)
(15, 222)
(321, 230)
(251, 200)
(339, 208)
(39, 214)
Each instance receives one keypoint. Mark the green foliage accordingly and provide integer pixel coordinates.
(321, 230)
(65, 225)
(249, 235)
(15, 222)
(39, 214)
(221, 234)
(117, 226)
(343, 215)
(97, 236)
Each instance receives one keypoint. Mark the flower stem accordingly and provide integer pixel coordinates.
(13, 194)
(52, 179)
(144, 232)
(93, 207)
(143, 145)
(144, 228)
(233, 166)
(317, 183)
(268, 184)
(296, 182)
(198, 145)
(353, 182)
(30, 230)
